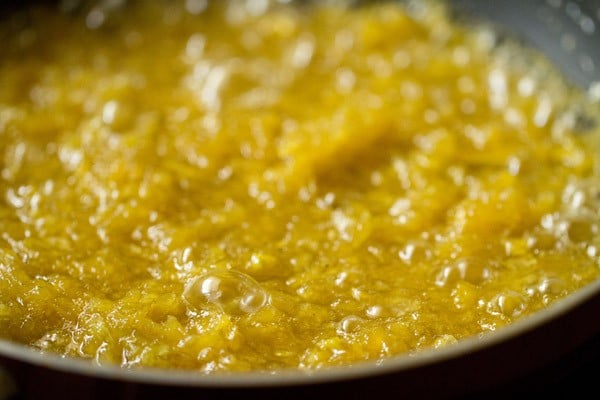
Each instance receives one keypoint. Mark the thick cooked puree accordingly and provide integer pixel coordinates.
(256, 185)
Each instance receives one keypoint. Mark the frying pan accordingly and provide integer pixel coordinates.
(554, 352)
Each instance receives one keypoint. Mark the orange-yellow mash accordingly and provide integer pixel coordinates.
(257, 185)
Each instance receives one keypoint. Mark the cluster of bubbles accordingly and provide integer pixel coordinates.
(232, 292)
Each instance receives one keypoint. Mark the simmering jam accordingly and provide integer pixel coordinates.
(264, 185)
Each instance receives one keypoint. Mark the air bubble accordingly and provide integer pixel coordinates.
(497, 82)
(352, 226)
(444, 340)
(196, 7)
(514, 117)
(461, 56)
(542, 112)
(302, 52)
(552, 286)
(526, 86)
(594, 91)
(345, 80)
(486, 39)
(350, 324)
(591, 251)
(407, 253)
(257, 7)
(467, 270)
(400, 207)
(117, 115)
(587, 25)
(547, 221)
(95, 19)
(509, 304)
(582, 196)
(414, 251)
(341, 278)
(514, 166)
(194, 48)
(374, 311)
(235, 293)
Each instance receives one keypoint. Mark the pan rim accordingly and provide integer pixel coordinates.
(257, 379)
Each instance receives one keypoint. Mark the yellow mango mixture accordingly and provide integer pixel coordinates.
(264, 185)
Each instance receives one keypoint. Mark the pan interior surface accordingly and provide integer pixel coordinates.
(567, 32)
